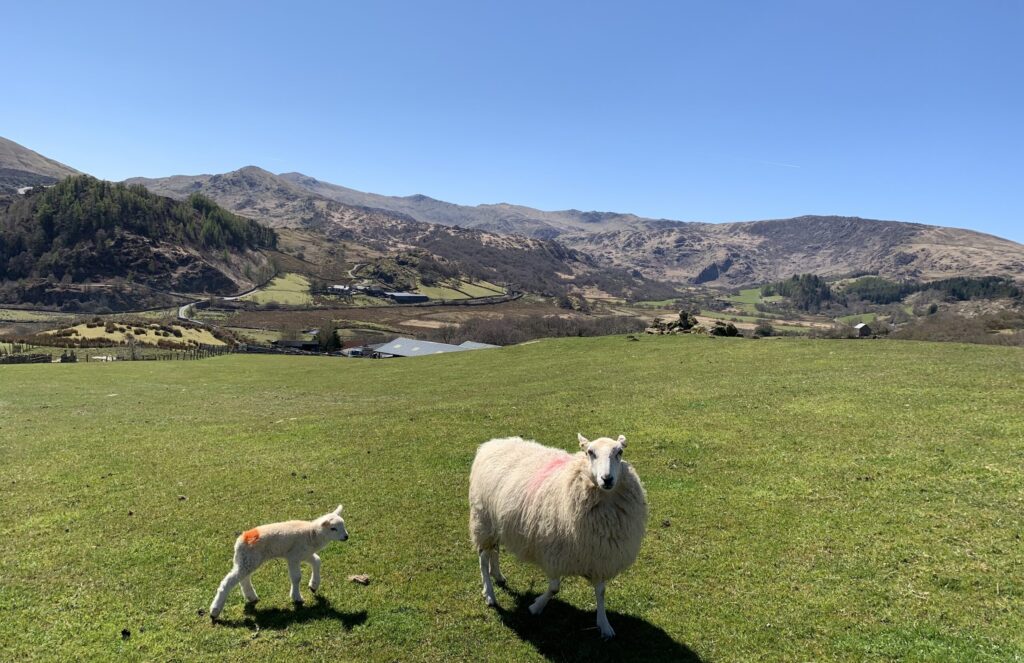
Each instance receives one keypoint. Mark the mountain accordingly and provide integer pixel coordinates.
(727, 254)
(533, 264)
(20, 167)
(84, 240)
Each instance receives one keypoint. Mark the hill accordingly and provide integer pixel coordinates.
(75, 239)
(20, 167)
(726, 254)
(810, 500)
(530, 263)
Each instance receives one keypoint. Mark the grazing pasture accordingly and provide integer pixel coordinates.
(809, 500)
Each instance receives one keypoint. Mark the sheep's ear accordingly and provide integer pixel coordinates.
(338, 510)
(622, 441)
(583, 441)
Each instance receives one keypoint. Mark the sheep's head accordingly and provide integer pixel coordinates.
(605, 456)
(332, 527)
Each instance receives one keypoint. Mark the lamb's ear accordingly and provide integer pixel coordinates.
(583, 441)
(622, 441)
(338, 510)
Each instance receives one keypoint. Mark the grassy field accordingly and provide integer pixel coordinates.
(810, 500)
(857, 317)
(747, 299)
(19, 315)
(291, 289)
(145, 335)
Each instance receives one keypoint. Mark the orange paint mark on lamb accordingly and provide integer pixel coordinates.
(251, 536)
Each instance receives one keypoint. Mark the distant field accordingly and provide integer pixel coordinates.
(19, 315)
(441, 292)
(290, 289)
(856, 318)
(747, 299)
(810, 501)
(145, 335)
(461, 290)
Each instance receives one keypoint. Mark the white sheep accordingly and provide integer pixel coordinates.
(295, 540)
(573, 515)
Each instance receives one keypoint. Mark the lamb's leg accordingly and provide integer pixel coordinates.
(248, 591)
(485, 557)
(226, 585)
(607, 631)
(314, 580)
(496, 567)
(295, 575)
(541, 602)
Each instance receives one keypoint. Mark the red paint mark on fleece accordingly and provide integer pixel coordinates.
(251, 536)
(549, 468)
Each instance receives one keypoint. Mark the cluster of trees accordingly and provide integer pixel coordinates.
(807, 292)
(810, 292)
(878, 290)
(83, 227)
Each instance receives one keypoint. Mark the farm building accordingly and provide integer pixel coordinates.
(862, 329)
(408, 347)
(406, 297)
(304, 346)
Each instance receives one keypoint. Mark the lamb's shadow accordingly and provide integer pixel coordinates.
(566, 633)
(276, 619)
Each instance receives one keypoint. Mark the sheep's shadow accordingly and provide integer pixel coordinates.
(566, 633)
(277, 619)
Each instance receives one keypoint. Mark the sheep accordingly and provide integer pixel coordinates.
(294, 540)
(573, 515)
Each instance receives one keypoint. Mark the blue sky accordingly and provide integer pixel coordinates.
(710, 111)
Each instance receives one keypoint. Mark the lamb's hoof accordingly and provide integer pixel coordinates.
(536, 609)
(313, 589)
(607, 634)
(299, 603)
(253, 602)
(490, 601)
(500, 581)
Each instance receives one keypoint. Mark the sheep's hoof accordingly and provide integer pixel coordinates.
(535, 609)
(299, 603)
(313, 589)
(252, 602)
(500, 581)
(607, 634)
(490, 601)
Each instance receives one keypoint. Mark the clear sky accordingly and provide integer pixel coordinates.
(709, 110)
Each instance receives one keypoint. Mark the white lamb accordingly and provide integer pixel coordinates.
(573, 515)
(295, 540)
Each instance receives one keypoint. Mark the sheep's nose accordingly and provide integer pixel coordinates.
(345, 538)
(607, 481)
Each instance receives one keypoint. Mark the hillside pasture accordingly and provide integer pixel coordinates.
(810, 500)
(149, 334)
(288, 289)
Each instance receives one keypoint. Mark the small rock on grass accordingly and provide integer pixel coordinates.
(361, 579)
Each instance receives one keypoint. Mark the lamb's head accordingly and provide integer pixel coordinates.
(332, 527)
(605, 456)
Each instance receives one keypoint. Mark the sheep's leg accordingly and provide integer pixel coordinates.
(248, 591)
(537, 607)
(485, 558)
(314, 580)
(233, 577)
(607, 631)
(295, 575)
(496, 567)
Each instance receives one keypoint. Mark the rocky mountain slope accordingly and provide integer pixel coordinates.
(20, 167)
(724, 253)
(531, 263)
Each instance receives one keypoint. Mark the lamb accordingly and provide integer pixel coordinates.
(294, 540)
(573, 515)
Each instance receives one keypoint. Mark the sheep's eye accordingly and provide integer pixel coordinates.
(592, 454)
(334, 529)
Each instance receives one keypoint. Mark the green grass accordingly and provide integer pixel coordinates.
(748, 299)
(291, 289)
(19, 315)
(856, 318)
(478, 289)
(810, 500)
(441, 292)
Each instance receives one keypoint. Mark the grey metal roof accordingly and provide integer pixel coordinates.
(473, 345)
(408, 347)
